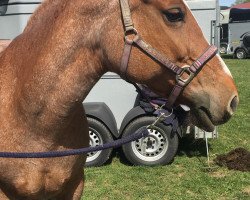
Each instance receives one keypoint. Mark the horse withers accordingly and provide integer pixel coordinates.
(49, 69)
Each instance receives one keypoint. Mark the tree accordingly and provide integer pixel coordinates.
(241, 1)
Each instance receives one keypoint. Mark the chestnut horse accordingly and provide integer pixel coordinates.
(49, 69)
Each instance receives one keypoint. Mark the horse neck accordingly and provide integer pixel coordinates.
(57, 62)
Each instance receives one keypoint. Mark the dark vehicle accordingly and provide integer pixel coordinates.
(239, 33)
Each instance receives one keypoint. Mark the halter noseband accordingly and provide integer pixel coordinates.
(181, 83)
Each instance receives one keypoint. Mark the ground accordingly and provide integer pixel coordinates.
(237, 159)
(186, 178)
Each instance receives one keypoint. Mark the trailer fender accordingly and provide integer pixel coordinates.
(3, 7)
(137, 112)
(241, 47)
(102, 112)
(131, 115)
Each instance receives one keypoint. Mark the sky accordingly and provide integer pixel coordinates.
(226, 2)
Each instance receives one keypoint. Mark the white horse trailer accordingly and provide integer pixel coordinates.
(111, 105)
(239, 33)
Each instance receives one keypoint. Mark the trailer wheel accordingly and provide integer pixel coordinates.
(99, 134)
(159, 148)
(223, 48)
(240, 54)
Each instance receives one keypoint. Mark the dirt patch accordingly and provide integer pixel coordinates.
(237, 159)
(247, 190)
(218, 174)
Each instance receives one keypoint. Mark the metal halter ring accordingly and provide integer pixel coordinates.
(131, 32)
(185, 70)
(161, 117)
(166, 116)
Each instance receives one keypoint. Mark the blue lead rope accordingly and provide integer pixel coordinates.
(143, 132)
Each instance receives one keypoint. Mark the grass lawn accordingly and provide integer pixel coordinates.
(185, 178)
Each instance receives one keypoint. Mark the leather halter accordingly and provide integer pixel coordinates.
(191, 71)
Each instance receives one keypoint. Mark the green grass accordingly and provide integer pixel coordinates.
(185, 178)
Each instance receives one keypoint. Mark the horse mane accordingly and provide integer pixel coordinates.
(49, 10)
(46, 13)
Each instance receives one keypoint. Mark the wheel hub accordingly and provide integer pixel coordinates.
(223, 49)
(152, 147)
(240, 54)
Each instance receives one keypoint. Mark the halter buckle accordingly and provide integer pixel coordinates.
(130, 36)
(183, 81)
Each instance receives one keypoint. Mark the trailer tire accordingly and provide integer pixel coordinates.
(223, 48)
(240, 53)
(99, 134)
(159, 148)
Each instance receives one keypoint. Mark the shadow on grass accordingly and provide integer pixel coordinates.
(225, 56)
(187, 147)
(229, 57)
(192, 148)
(118, 153)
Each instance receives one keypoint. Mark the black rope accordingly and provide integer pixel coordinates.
(143, 132)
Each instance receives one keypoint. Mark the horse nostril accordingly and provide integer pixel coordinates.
(231, 109)
(234, 103)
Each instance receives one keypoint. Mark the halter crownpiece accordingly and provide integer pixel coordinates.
(191, 71)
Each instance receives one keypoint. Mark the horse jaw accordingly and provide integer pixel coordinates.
(201, 119)
(214, 104)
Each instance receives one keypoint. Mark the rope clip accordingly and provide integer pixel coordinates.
(163, 114)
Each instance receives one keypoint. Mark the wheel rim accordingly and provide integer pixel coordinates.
(153, 147)
(240, 54)
(223, 49)
(95, 139)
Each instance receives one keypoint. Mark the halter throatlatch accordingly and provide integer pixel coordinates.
(189, 71)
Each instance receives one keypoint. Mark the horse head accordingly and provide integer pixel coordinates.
(170, 27)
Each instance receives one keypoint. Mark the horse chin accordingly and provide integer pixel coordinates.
(202, 118)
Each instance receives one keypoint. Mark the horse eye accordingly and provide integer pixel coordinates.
(174, 15)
